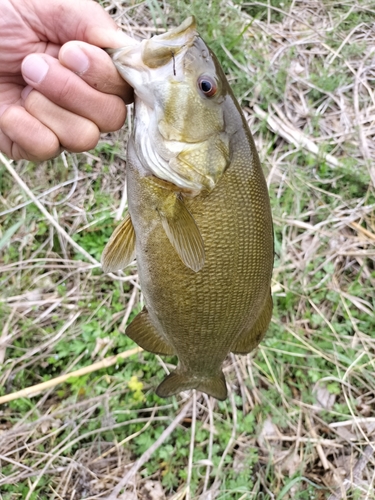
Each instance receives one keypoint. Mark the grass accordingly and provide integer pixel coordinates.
(299, 423)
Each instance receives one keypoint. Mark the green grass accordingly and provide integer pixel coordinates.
(315, 368)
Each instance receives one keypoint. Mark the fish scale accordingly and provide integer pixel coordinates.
(204, 245)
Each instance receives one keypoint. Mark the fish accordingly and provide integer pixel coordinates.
(199, 219)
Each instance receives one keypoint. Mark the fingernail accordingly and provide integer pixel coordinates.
(74, 58)
(34, 68)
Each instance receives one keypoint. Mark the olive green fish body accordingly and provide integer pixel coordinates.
(208, 294)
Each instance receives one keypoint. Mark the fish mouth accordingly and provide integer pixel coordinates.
(162, 52)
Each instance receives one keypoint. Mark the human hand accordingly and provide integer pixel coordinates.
(56, 93)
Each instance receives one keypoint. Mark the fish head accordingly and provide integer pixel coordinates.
(180, 97)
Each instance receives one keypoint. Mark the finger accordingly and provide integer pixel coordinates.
(67, 90)
(74, 132)
(72, 20)
(96, 68)
(25, 137)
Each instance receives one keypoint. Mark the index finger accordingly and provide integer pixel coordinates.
(96, 68)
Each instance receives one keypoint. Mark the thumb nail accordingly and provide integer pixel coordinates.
(34, 68)
(74, 58)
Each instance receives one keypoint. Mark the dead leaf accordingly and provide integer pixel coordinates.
(128, 495)
(268, 429)
(152, 490)
(324, 398)
(291, 464)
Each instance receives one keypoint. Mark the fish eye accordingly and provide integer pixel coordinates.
(207, 85)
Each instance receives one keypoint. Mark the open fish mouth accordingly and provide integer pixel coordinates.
(160, 50)
(164, 52)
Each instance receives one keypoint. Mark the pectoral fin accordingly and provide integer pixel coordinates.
(120, 249)
(143, 332)
(182, 232)
(250, 339)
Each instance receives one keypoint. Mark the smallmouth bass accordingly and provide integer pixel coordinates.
(199, 218)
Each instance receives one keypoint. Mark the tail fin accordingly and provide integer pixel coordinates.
(179, 381)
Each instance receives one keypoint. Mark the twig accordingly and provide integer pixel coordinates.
(48, 216)
(317, 440)
(123, 203)
(319, 448)
(34, 389)
(180, 495)
(44, 194)
(357, 474)
(210, 441)
(192, 442)
(286, 14)
(361, 229)
(357, 420)
(127, 439)
(286, 130)
(228, 448)
(4, 337)
(129, 309)
(148, 453)
(45, 212)
(124, 197)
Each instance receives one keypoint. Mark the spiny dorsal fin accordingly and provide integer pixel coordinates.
(120, 249)
(183, 233)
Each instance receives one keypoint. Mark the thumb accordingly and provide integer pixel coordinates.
(63, 20)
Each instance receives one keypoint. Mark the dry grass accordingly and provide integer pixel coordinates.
(300, 419)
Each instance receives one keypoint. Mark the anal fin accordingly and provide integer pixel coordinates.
(143, 332)
(120, 249)
(250, 339)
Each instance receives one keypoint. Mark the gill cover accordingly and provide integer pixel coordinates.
(179, 127)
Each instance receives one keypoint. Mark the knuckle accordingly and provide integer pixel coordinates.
(50, 148)
(7, 118)
(33, 102)
(115, 115)
(85, 139)
(16, 153)
(64, 90)
(42, 144)
(28, 138)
